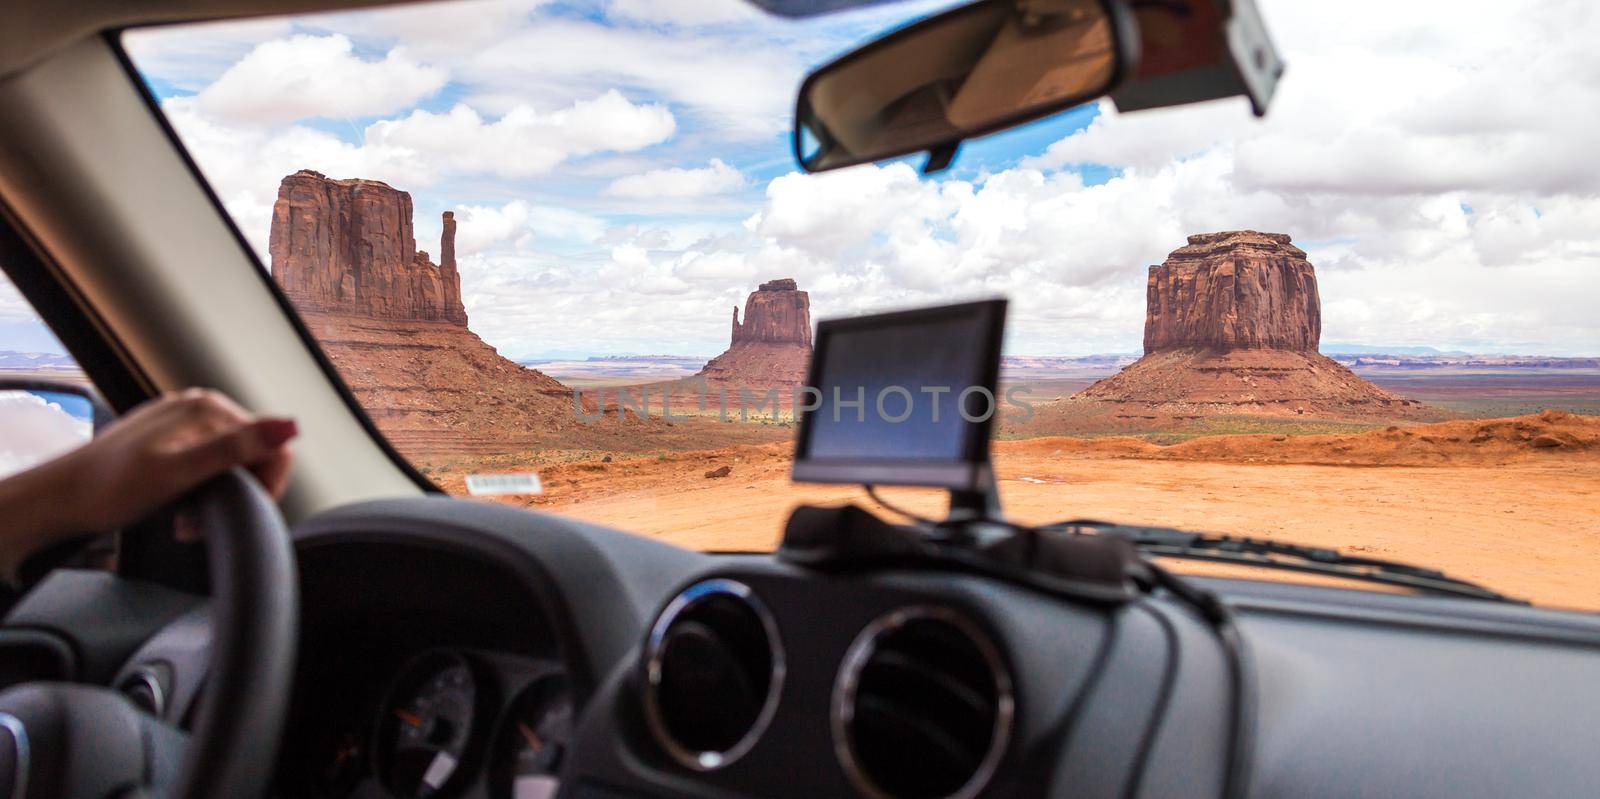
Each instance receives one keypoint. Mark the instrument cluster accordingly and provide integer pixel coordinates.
(453, 723)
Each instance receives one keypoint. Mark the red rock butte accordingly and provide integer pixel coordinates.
(772, 346)
(1232, 324)
(777, 312)
(347, 246)
(393, 324)
(1235, 290)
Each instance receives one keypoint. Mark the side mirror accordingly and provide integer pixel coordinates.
(962, 74)
(42, 418)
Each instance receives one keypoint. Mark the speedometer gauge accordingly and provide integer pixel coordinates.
(532, 741)
(426, 725)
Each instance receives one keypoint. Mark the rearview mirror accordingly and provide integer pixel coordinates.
(959, 75)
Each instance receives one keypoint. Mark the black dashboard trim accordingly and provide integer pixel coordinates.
(591, 635)
(531, 576)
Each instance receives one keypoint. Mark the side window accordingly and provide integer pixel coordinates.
(43, 408)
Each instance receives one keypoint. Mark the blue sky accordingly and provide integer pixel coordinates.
(28, 335)
(622, 171)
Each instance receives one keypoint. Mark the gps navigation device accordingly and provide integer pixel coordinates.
(905, 398)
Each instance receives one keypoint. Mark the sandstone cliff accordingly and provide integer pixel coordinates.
(1234, 290)
(393, 325)
(777, 312)
(772, 346)
(346, 246)
(1232, 323)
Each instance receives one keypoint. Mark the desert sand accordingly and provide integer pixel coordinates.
(1479, 499)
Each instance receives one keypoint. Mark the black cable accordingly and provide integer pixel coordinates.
(1225, 625)
(1158, 712)
(872, 491)
(1210, 608)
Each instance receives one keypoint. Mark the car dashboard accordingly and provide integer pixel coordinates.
(423, 674)
(462, 649)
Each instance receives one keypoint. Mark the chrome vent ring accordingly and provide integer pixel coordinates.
(923, 706)
(713, 672)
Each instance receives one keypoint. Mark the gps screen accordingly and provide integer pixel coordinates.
(906, 389)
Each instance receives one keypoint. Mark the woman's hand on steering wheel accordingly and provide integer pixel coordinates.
(153, 455)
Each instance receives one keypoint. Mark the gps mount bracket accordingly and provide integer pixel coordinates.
(848, 538)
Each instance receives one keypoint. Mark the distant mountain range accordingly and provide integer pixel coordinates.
(696, 360)
(1384, 349)
(1363, 359)
(1047, 367)
(633, 367)
(36, 361)
(1383, 360)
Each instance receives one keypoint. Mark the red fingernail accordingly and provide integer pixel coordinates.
(277, 431)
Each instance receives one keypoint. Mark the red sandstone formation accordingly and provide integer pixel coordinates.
(393, 325)
(772, 347)
(1232, 323)
(1234, 290)
(346, 246)
(777, 312)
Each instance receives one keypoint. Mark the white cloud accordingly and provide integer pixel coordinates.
(525, 141)
(716, 177)
(737, 84)
(1147, 139)
(190, 57)
(681, 12)
(13, 308)
(245, 163)
(876, 237)
(720, 62)
(724, 267)
(521, 226)
(552, 222)
(33, 430)
(303, 77)
(827, 214)
(437, 31)
(479, 228)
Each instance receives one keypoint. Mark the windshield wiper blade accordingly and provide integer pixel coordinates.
(1175, 543)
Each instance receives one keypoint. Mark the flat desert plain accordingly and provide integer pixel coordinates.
(1510, 503)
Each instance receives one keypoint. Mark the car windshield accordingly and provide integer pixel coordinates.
(564, 258)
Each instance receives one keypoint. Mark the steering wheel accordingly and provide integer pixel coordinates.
(66, 741)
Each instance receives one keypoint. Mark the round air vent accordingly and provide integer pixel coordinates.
(146, 687)
(713, 671)
(922, 708)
